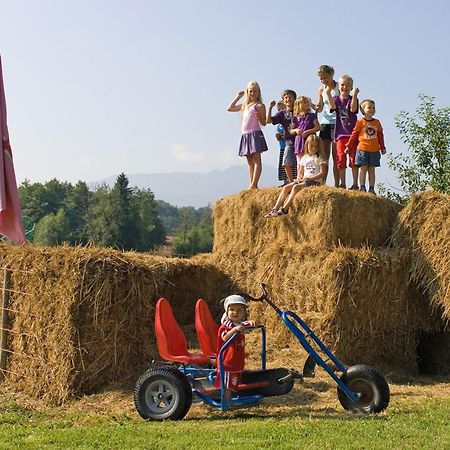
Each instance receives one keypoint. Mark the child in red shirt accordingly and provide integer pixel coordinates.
(233, 321)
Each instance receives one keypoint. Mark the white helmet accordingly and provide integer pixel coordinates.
(234, 300)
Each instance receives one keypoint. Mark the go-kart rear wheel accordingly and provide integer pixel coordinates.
(370, 384)
(162, 394)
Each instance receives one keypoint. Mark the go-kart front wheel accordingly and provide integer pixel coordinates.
(162, 394)
(370, 385)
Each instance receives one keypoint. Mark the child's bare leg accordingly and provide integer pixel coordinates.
(362, 177)
(371, 171)
(283, 195)
(251, 168)
(257, 169)
(296, 188)
(355, 171)
(326, 148)
(342, 177)
(335, 168)
(289, 173)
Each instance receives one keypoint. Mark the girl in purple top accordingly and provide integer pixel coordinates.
(304, 123)
(346, 107)
(253, 143)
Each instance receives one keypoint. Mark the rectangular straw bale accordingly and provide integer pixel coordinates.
(83, 317)
(356, 300)
(322, 216)
(424, 227)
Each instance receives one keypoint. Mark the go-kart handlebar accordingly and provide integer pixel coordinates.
(264, 295)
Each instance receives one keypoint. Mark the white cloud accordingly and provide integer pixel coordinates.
(183, 154)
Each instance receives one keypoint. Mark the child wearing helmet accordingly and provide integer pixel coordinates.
(233, 321)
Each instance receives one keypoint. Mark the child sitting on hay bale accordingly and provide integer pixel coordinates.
(312, 173)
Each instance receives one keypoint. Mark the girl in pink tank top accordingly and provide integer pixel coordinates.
(253, 143)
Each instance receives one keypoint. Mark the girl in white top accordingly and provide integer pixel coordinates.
(253, 143)
(328, 118)
(312, 173)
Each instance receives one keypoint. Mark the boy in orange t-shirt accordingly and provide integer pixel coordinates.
(367, 137)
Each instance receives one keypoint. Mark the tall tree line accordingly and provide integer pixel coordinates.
(122, 217)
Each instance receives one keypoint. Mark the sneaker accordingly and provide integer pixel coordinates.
(362, 189)
(281, 212)
(372, 191)
(354, 187)
(271, 213)
(342, 186)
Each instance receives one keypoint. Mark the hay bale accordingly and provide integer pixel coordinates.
(323, 216)
(83, 317)
(356, 300)
(424, 227)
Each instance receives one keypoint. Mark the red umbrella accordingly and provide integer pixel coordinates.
(11, 223)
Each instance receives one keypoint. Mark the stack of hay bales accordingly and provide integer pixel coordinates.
(83, 317)
(330, 261)
(424, 227)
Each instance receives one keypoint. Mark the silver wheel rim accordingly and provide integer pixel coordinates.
(366, 390)
(161, 396)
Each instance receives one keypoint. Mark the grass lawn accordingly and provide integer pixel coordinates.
(308, 418)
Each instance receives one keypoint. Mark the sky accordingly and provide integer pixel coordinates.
(99, 87)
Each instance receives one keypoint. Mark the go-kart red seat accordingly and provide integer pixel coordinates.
(171, 341)
(206, 328)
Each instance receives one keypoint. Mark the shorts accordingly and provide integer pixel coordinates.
(311, 183)
(341, 156)
(232, 380)
(364, 158)
(327, 131)
(289, 157)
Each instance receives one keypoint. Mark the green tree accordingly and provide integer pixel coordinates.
(124, 215)
(197, 238)
(76, 206)
(101, 228)
(169, 215)
(52, 229)
(119, 217)
(427, 134)
(151, 229)
(38, 200)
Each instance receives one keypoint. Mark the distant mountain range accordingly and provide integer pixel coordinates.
(195, 189)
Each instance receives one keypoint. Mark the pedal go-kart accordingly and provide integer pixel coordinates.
(167, 392)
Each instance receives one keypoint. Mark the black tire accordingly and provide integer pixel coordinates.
(372, 386)
(162, 394)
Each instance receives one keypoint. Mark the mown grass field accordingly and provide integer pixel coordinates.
(308, 418)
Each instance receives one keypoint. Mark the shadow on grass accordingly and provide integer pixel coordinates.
(316, 399)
